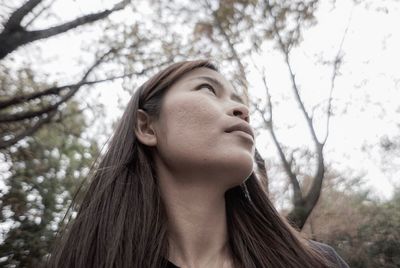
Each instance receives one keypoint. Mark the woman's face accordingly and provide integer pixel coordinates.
(192, 138)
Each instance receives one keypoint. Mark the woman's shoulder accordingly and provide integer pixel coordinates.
(330, 253)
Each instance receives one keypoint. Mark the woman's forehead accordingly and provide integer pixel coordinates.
(202, 72)
(206, 74)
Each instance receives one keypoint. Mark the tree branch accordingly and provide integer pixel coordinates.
(17, 36)
(243, 79)
(51, 91)
(29, 114)
(49, 111)
(315, 189)
(297, 194)
(28, 131)
(14, 22)
(57, 89)
(285, 52)
(302, 210)
(38, 14)
(336, 65)
(313, 194)
(40, 34)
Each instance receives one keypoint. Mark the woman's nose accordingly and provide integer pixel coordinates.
(241, 111)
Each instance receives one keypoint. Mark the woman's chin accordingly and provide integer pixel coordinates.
(238, 172)
(243, 163)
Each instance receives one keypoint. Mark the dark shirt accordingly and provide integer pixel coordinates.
(328, 251)
(171, 265)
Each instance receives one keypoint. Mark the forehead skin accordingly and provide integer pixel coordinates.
(203, 74)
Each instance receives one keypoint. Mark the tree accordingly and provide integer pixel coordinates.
(303, 201)
(45, 149)
(18, 117)
(45, 145)
(44, 173)
(363, 230)
(15, 34)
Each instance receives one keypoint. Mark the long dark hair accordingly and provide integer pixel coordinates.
(121, 221)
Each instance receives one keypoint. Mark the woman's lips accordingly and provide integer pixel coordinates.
(241, 127)
(242, 133)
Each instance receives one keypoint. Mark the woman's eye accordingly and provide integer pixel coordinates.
(208, 87)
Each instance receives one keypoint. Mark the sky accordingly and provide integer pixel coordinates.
(366, 98)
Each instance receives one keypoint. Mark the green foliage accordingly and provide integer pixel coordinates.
(44, 172)
(376, 242)
(381, 236)
(364, 231)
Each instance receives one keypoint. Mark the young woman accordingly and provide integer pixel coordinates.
(176, 187)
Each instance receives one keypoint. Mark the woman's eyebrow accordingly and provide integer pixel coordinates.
(219, 84)
(211, 80)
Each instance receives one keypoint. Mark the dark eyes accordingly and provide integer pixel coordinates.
(208, 86)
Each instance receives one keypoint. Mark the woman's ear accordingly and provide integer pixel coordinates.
(144, 129)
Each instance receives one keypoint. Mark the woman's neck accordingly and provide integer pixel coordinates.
(197, 226)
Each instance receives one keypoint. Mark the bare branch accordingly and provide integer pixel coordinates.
(53, 91)
(285, 52)
(300, 212)
(50, 91)
(48, 113)
(28, 131)
(38, 14)
(57, 89)
(297, 194)
(243, 79)
(315, 189)
(328, 116)
(302, 209)
(336, 65)
(300, 101)
(17, 36)
(40, 34)
(14, 22)
(313, 194)
(73, 90)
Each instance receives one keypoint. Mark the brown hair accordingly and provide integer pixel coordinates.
(121, 221)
